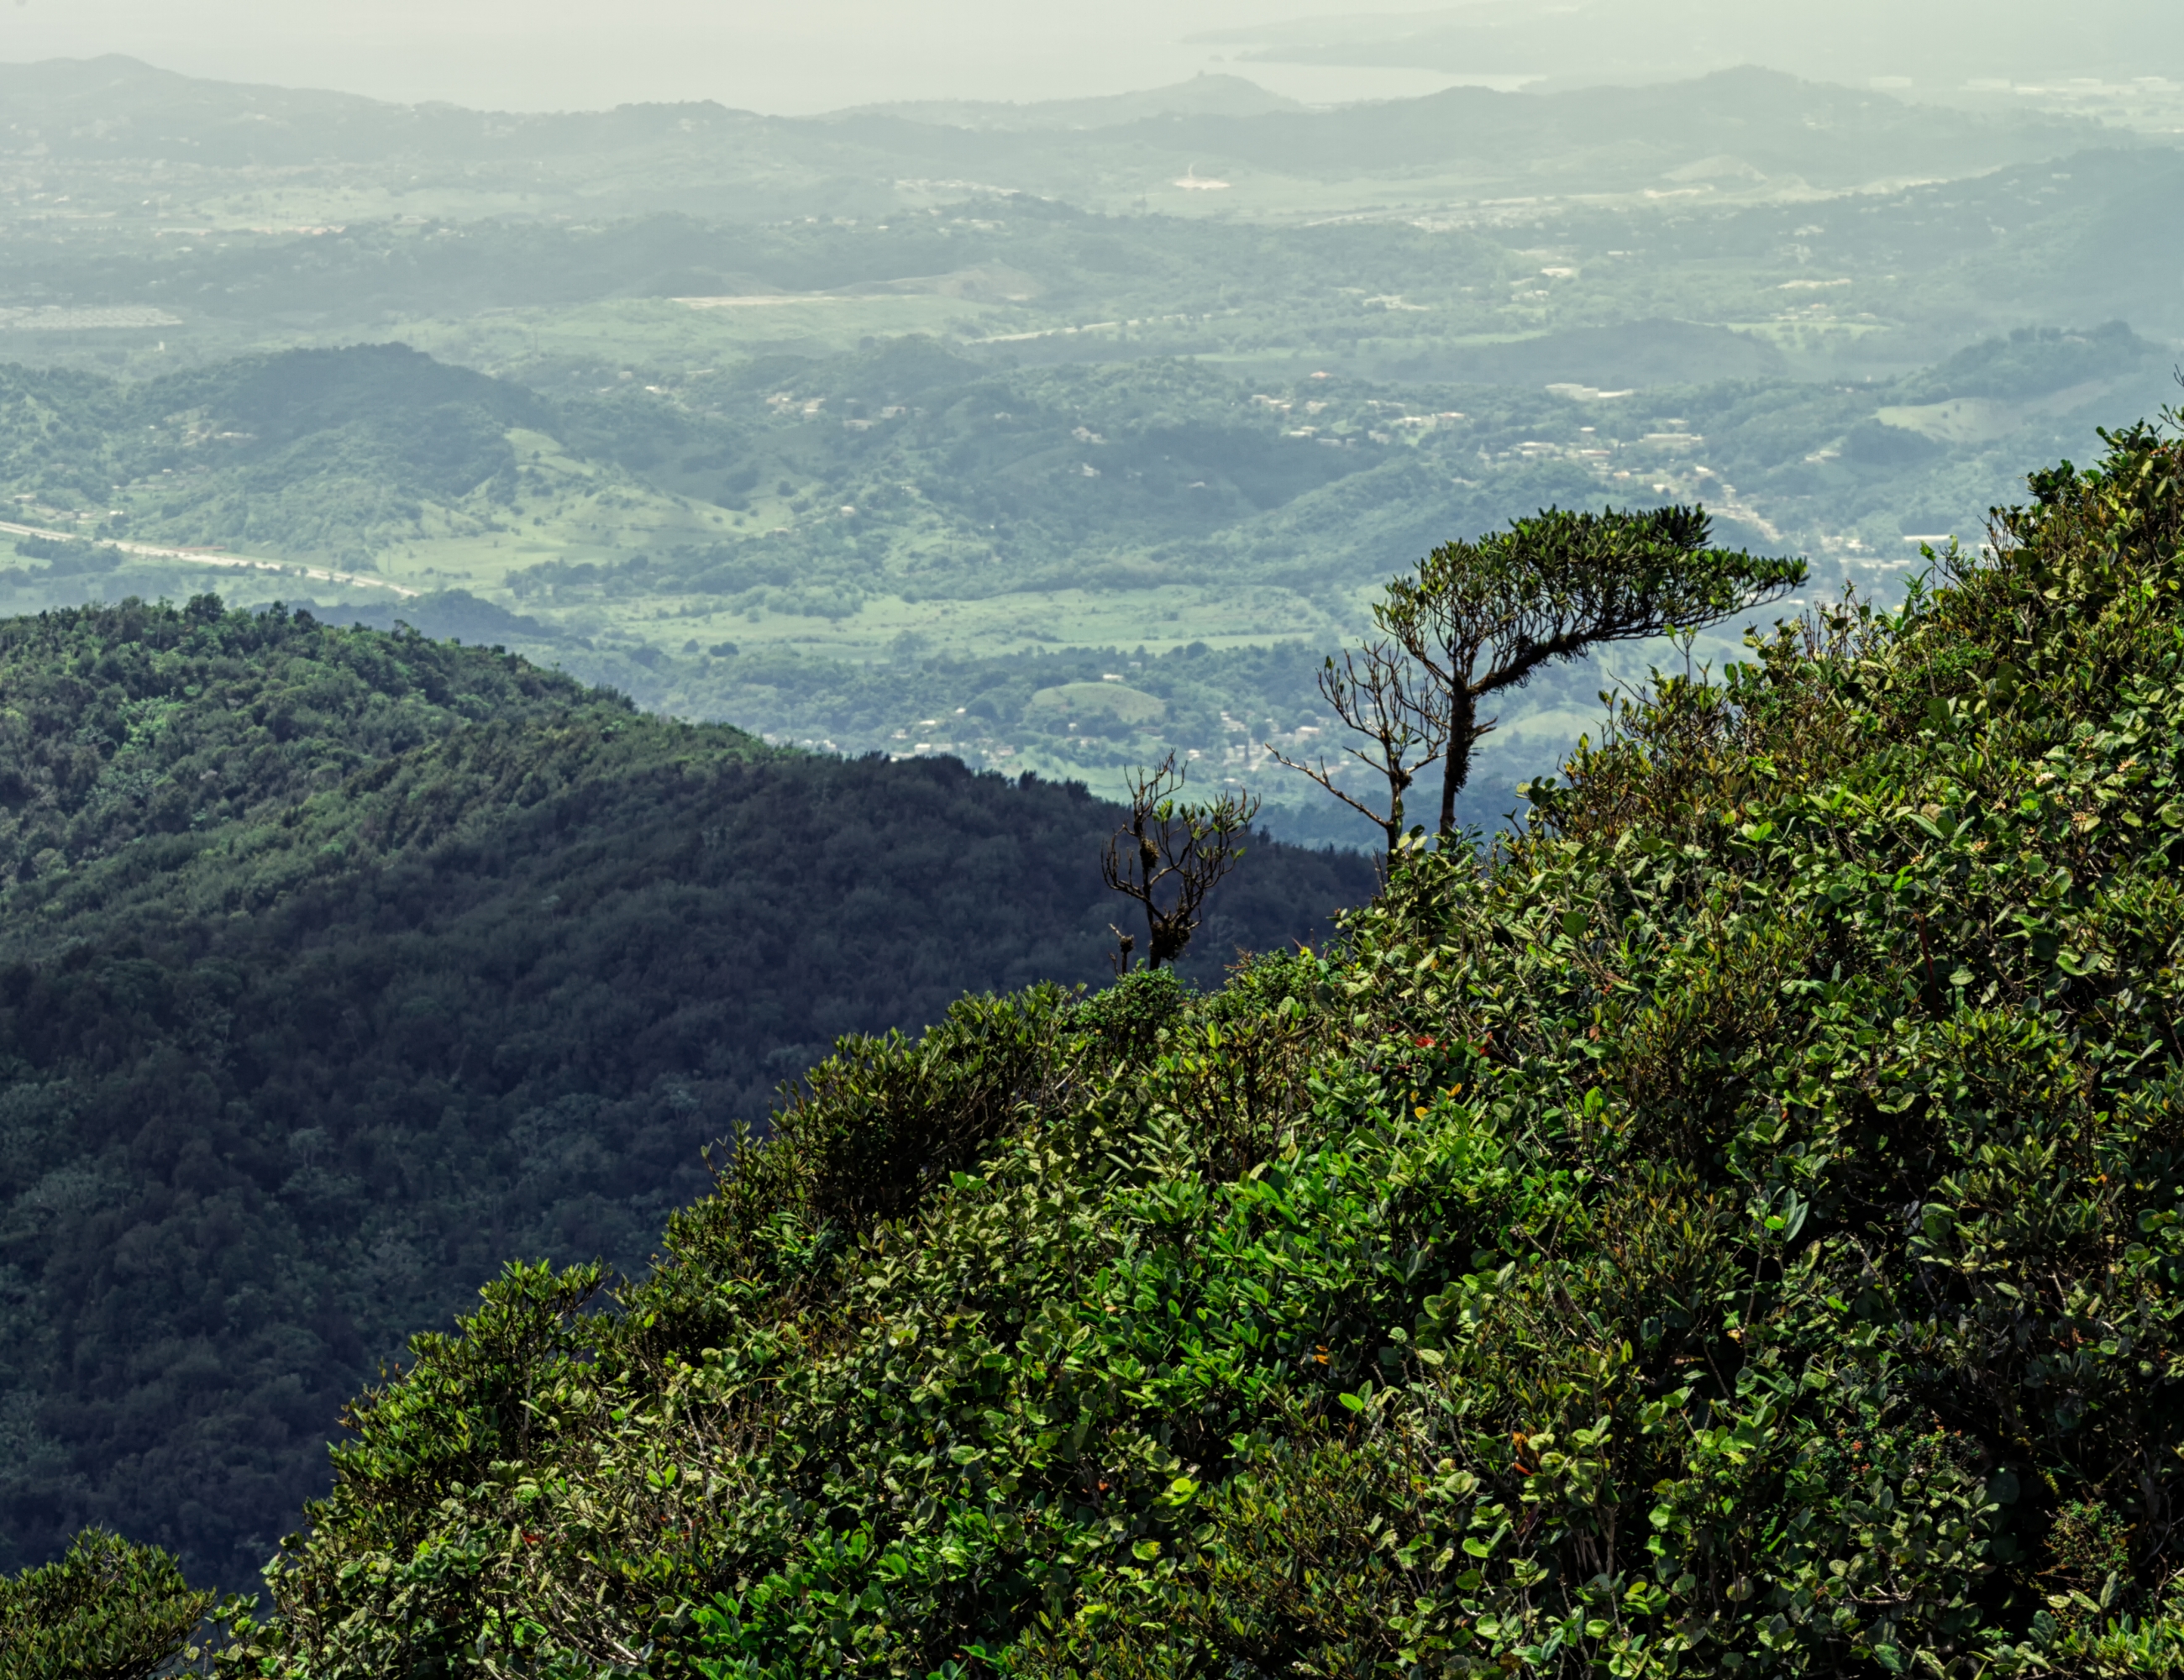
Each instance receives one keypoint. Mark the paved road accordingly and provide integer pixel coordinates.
(196, 557)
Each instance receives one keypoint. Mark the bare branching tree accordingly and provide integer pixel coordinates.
(1170, 855)
(1484, 616)
(1381, 694)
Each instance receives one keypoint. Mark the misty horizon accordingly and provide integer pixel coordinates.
(847, 54)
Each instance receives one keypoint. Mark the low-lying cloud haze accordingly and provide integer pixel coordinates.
(818, 55)
(811, 55)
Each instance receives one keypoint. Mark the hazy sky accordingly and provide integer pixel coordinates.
(797, 56)
(774, 55)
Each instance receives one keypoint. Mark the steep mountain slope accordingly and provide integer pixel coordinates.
(1736, 1227)
(337, 966)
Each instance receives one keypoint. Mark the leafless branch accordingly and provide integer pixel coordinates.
(1377, 694)
(1170, 855)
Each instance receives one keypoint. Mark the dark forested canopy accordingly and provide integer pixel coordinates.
(338, 966)
(142, 720)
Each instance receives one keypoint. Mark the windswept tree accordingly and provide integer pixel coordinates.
(1480, 617)
(1170, 855)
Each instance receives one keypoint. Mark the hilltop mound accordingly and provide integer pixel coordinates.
(307, 450)
(338, 966)
(1734, 1227)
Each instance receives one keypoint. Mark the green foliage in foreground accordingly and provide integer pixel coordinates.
(108, 1610)
(1737, 1227)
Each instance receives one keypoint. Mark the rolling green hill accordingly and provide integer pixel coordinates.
(312, 454)
(335, 965)
(1938, 46)
(910, 474)
(897, 549)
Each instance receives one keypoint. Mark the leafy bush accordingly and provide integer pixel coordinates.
(68, 555)
(108, 1610)
(1735, 1227)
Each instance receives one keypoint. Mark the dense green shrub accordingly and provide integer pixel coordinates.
(106, 1610)
(1732, 1228)
(67, 555)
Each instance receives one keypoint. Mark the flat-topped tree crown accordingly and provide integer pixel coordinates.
(1482, 617)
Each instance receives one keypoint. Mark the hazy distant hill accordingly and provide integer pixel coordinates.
(1225, 96)
(911, 550)
(841, 428)
(912, 468)
(1938, 44)
(705, 158)
(327, 451)
(1631, 354)
(1611, 139)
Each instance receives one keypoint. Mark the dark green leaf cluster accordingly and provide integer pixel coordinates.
(1734, 1227)
(1655, 568)
(107, 1610)
(67, 555)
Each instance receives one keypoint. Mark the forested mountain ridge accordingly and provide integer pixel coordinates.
(142, 722)
(1736, 1226)
(335, 965)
